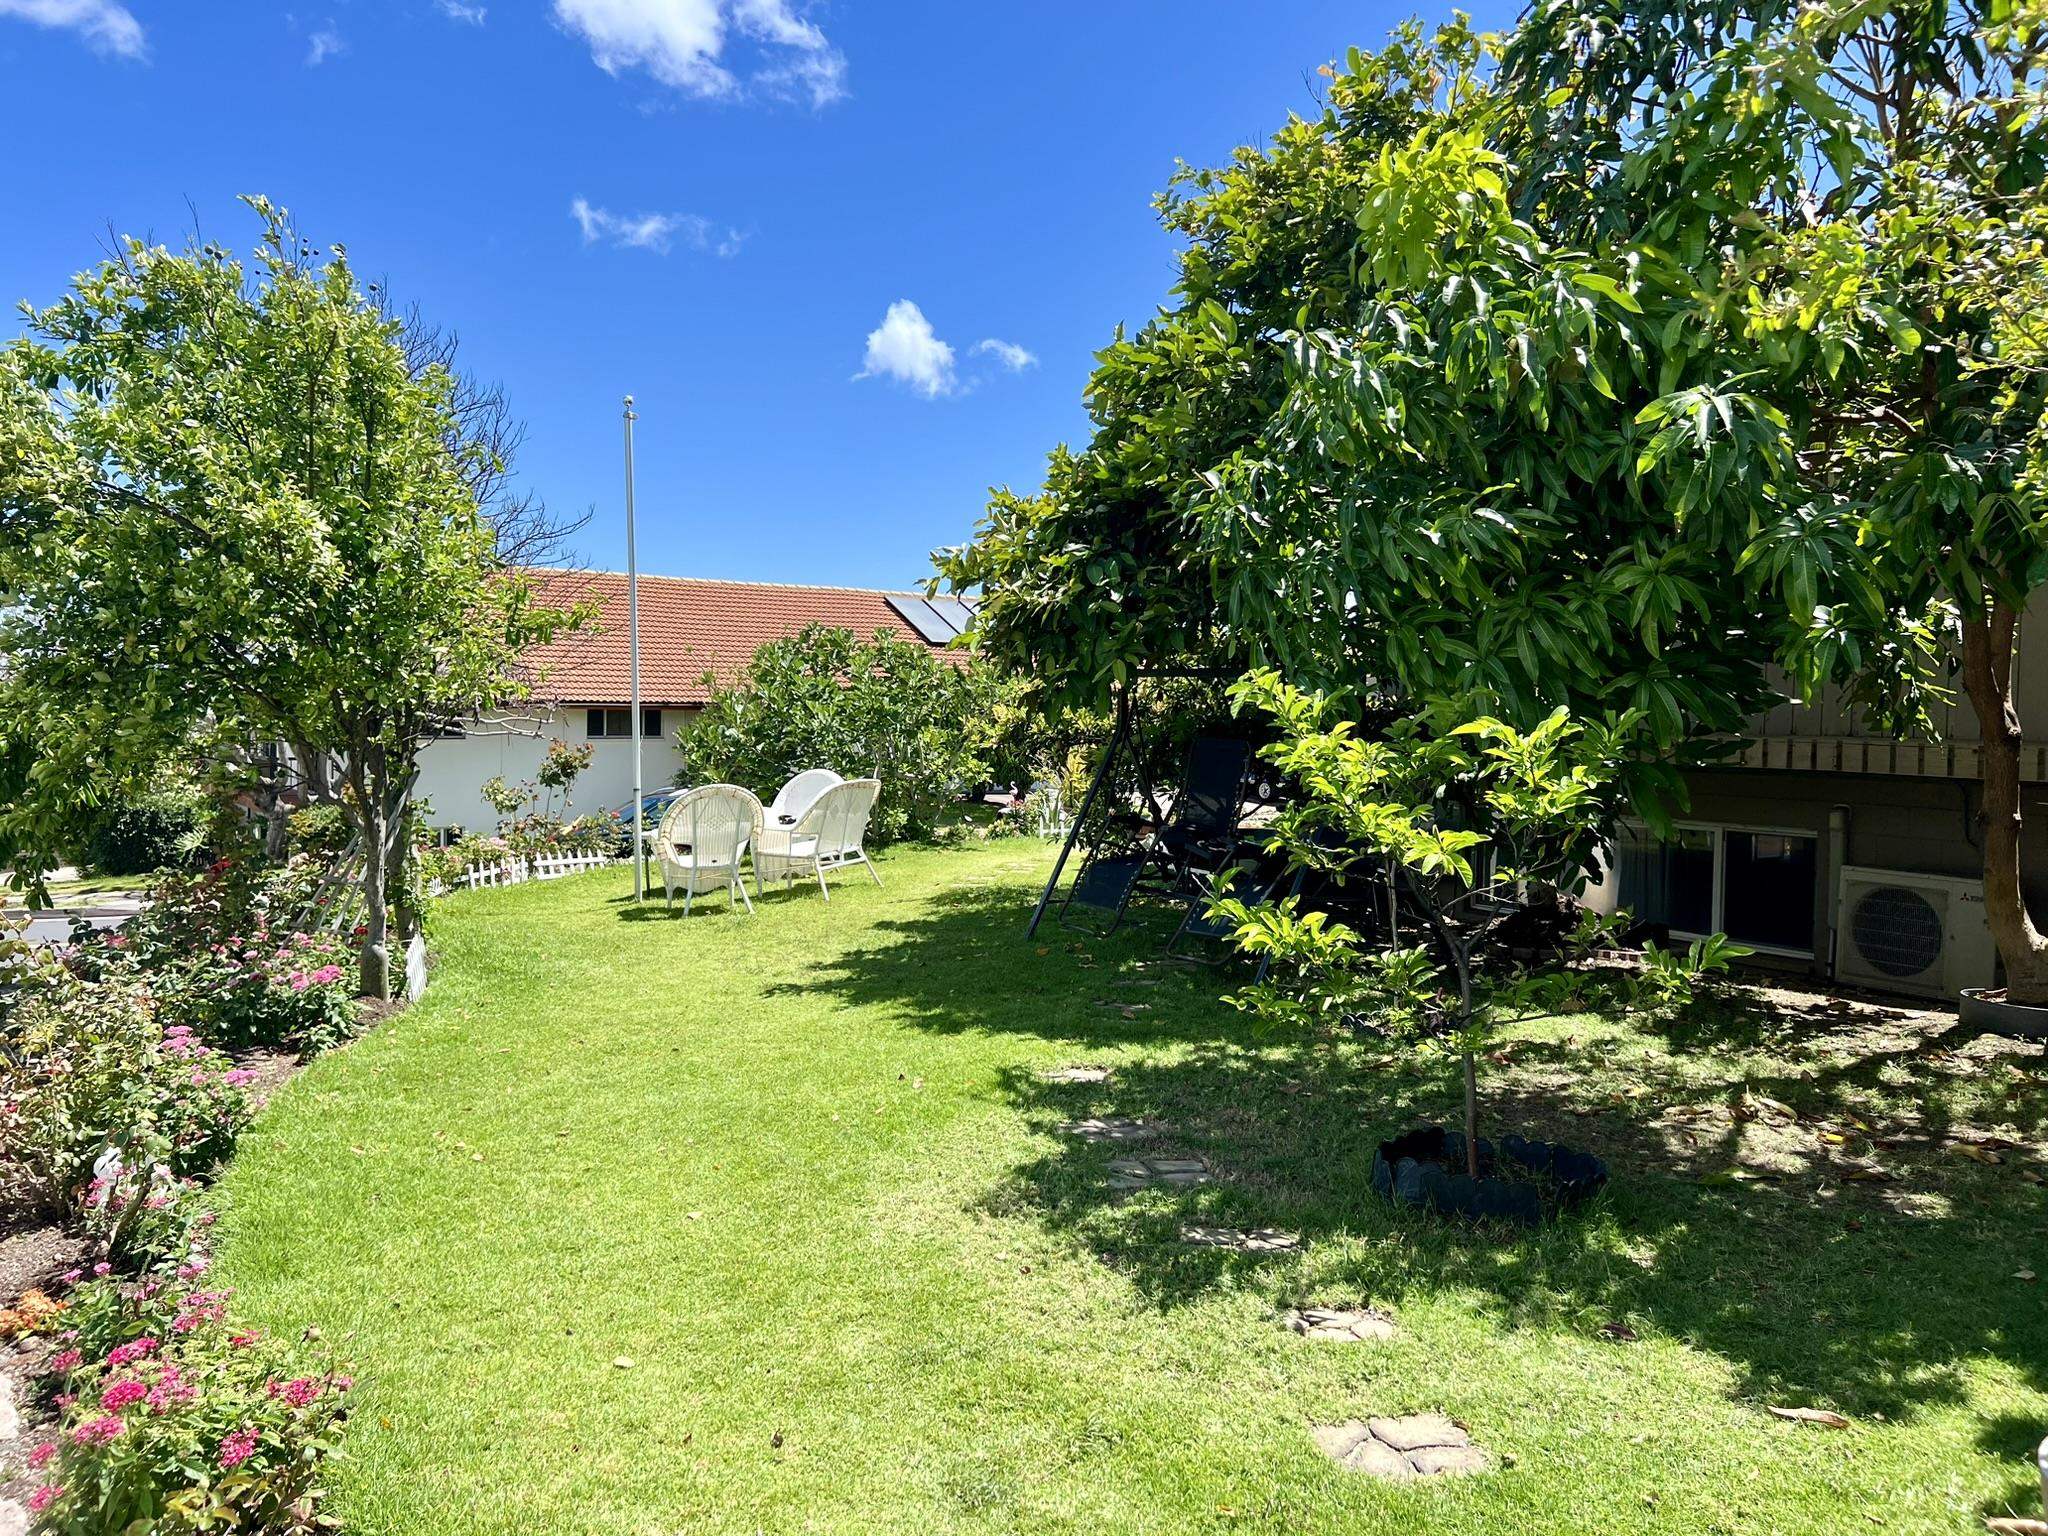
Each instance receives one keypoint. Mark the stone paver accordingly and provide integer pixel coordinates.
(13, 1518)
(1257, 1240)
(1154, 1172)
(1349, 1325)
(1076, 1074)
(1399, 1450)
(1097, 1128)
(10, 1417)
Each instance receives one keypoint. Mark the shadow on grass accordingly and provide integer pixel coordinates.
(1830, 1266)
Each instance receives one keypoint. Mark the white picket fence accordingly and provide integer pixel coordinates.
(546, 866)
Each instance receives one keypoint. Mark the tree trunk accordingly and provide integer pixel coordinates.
(376, 950)
(1987, 679)
(1471, 1115)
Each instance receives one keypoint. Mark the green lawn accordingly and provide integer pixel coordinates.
(802, 1172)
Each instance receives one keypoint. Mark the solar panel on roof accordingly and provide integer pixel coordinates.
(954, 612)
(917, 613)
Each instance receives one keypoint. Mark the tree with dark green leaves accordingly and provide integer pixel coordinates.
(236, 507)
(1650, 357)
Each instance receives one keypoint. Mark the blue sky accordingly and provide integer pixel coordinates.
(768, 221)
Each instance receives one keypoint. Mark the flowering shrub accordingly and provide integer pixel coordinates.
(231, 953)
(88, 1074)
(173, 1418)
(541, 833)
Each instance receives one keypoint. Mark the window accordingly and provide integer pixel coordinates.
(1756, 887)
(1669, 882)
(604, 723)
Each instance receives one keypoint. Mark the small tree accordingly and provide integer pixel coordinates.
(235, 500)
(1477, 824)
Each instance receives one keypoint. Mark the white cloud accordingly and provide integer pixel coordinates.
(324, 45)
(1012, 356)
(904, 347)
(682, 43)
(455, 10)
(107, 26)
(652, 231)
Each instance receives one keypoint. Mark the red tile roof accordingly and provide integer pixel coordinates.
(687, 628)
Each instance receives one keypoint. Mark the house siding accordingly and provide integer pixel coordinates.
(453, 770)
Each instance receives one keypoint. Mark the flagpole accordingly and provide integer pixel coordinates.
(633, 628)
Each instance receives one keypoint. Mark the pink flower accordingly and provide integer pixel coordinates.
(44, 1497)
(122, 1393)
(237, 1448)
(327, 974)
(43, 1454)
(243, 1340)
(299, 1391)
(129, 1353)
(241, 1077)
(300, 981)
(72, 1276)
(66, 1361)
(98, 1431)
(103, 1268)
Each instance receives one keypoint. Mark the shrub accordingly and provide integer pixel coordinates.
(163, 827)
(175, 1419)
(322, 831)
(824, 698)
(91, 1085)
(226, 954)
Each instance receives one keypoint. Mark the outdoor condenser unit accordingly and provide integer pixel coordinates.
(1923, 934)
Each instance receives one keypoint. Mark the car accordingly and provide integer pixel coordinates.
(652, 805)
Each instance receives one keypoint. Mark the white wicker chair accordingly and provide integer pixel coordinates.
(798, 795)
(703, 837)
(827, 836)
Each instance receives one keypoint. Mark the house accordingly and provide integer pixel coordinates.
(693, 635)
(1838, 851)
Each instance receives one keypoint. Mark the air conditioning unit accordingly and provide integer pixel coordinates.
(1923, 934)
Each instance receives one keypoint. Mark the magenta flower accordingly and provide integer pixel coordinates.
(98, 1431)
(43, 1454)
(66, 1361)
(44, 1497)
(299, 1391)
(237, 1448)
(135, 1349)
(121, 1393)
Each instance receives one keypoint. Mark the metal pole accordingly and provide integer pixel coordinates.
(633, 643)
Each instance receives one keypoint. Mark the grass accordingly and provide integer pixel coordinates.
(802, 1172)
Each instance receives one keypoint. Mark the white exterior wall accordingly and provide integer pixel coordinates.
(453, 770)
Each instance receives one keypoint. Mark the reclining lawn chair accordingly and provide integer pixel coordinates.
(702, 839)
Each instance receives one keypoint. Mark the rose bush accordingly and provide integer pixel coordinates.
(238, 953)
(87, 1071)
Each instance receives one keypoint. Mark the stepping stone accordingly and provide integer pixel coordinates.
(1094, 1128)
(1400, 1450)
(1076, 1074)
(1353, 1448)
(1350, 1325)
(1257, 1240)
(1151, 1172)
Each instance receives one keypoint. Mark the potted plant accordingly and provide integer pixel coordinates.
(1488, 834)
